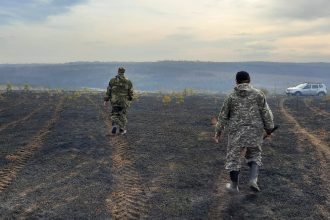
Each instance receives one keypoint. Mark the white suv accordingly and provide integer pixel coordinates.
(307, 89)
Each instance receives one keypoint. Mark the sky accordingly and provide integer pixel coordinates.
(58, 31)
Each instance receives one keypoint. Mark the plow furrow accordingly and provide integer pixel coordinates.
(21, 120)
(19, 159)
(313, 139)
(12, 106)
(128, 200)
(323, 152)
(316, 110)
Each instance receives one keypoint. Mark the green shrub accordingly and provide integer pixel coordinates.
(167, 100)
(9, 87)
(76, 94)
(26, 88)
(59, 91)
(188, 92)
(179, 97)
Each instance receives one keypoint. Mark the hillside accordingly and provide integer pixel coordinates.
(165, 75)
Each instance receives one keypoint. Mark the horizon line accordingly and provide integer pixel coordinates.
(159, 61)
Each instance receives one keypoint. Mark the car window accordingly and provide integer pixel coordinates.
(321, 86)
(315, 86)
(307, 87)
(301, 86)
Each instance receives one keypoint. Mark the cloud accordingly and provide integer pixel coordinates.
(277, 9)
(298, 9)
(140, 30)
(36, 10)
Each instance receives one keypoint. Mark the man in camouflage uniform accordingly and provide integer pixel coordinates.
(120, 95)
(245, 114)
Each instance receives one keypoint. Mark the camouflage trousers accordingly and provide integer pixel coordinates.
(119, 116)
(235, 155)
(244, 142)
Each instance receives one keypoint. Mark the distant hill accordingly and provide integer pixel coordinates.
(166, 75)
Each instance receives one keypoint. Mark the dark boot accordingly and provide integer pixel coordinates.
(114, 129)
(233, 186)
(122, 131)
(254, 172)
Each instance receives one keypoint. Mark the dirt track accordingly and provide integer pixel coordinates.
(58, 161)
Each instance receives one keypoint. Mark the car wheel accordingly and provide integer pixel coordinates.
(297, 94)
(321, 94)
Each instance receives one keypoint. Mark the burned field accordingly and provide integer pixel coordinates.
(59, 161)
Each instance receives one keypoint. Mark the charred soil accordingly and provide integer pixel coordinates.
(58, 160)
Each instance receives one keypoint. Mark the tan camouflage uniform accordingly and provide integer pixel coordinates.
(120, 94)
(245, 114)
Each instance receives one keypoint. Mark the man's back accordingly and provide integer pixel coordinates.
(246, 104)
(120, 90)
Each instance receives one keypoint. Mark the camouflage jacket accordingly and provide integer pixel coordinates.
(245, 107)
(119, 91)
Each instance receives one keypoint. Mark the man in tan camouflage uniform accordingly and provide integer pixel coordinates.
(245, 114)
(120, 95)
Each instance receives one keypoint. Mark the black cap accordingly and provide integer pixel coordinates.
(242, 77)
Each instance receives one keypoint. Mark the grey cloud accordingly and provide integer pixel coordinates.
(281, 9)
(299, 9)
(33, 10)
(319, 29)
